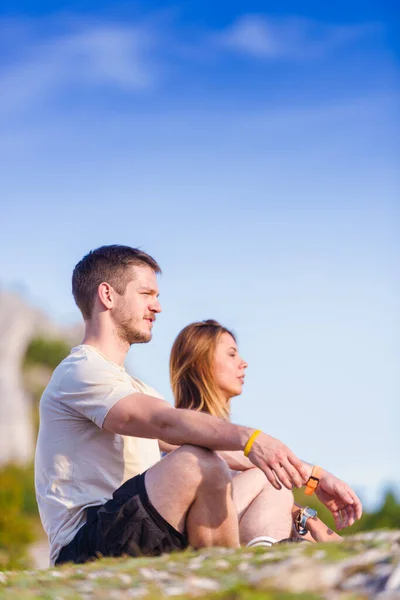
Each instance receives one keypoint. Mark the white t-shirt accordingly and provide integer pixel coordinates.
(78, 463)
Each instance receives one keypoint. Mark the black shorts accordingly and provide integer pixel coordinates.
(126, 525)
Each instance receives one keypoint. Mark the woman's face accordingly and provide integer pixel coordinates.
(229, 367)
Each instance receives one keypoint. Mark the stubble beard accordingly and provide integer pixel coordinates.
(128, 330)
(133, 335)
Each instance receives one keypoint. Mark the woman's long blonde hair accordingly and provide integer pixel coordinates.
(191, 368)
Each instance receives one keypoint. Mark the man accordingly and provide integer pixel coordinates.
(100, 484)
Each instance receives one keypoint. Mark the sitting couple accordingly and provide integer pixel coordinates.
(101, 487)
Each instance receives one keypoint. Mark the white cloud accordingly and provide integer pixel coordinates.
(287, 38)
(91, 55)
(251, 35)
(44, 60)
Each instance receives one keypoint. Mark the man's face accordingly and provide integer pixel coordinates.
(135, 311)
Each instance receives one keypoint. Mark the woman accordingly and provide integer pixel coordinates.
(206, 372)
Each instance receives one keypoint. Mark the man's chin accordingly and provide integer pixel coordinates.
(142, 338)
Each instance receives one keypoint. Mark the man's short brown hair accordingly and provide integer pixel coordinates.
(111, 264)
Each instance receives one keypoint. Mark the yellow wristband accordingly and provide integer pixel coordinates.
(250, 441)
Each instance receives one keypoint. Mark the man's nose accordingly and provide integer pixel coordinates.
(156, 307)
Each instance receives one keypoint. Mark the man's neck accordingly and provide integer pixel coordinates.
(108, 343)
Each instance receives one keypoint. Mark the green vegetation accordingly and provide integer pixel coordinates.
(240, 593)
(387, 517)
(18, 511)
(46, 352)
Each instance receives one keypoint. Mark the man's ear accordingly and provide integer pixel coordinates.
(106, 295)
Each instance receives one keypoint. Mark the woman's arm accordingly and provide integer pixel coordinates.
(317, 530)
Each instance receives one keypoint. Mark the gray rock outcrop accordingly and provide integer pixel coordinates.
(19, 323)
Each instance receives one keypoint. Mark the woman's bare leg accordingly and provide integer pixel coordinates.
(262, 510)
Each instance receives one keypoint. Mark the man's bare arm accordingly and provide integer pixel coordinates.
(145, 416)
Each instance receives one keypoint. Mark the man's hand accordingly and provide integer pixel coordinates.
(278, 463)
(343, 503)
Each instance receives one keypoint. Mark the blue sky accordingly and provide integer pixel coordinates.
(253, 150)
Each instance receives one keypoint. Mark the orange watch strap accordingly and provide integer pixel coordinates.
(313, 480)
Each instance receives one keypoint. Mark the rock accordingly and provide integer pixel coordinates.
(204, 584)
(221, 564)
(300, 577)
(19, 323)
(393, 582)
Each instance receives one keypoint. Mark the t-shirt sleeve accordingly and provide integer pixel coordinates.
(91, 391)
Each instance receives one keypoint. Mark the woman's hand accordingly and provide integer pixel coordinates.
(343, 503)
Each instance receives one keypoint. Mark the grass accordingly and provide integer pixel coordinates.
(282, 573)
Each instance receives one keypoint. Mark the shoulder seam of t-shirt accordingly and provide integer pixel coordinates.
(64, 376)
(69, 369)
(62, 379)
(140, 383)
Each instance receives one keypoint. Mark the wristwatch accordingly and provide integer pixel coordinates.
(302, 518)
